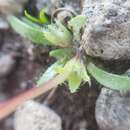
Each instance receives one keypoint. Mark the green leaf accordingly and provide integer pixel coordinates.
(109, 80)
(75, 73)
(74, 82)
(65, 53)
(31, 18)
(68, 68)
(27, 21)
(49, 73)
(58, 35)
(33, 33)
(84, 74)
(76, 24)
(43, 18)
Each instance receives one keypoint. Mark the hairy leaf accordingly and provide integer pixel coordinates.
(64, 53)
(109, 80)
(35, 34)
(74, 82)
(76, 24)
(58, 35)
(74, 70)
(49, 73)
(41, 20)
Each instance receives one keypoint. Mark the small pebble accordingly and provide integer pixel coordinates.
(34, 116)
(113, 110)
(6, 64)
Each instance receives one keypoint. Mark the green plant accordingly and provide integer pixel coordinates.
(56, 34)
(69, 66)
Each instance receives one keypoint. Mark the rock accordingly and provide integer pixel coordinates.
(49, 5)
(6, 64)
(63, 15)
(107, 32)
(74, 4)
(113, 110)
(33, 116)
(52, 5)
(40, 4)
(3, 23)
(11, 6)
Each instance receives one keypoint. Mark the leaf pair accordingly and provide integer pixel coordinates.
(54, 34)
(76, 24)
(58, 35)
(75, 73)
(42, 18)
(28, 29)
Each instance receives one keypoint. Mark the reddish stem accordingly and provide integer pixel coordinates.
(9, 106)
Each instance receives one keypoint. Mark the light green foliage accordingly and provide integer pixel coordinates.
(71, 69)
(58, 35)
(113, 81)
(62, 54)
(74, 81)
(42, 19)
(49, 73)
(76, 24)
(55, 34)
(75, 72)
(28, 30)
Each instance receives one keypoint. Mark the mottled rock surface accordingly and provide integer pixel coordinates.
(6, 64)
(3, 22)
(11, 6)
(113, 110)
(107, 34)
(33, 116)
(54, 4)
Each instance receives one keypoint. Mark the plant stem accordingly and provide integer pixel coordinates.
(9, 106)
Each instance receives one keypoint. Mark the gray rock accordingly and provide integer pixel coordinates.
(107, 34)
(52, 5)
(3, 23)
(49, 5)
(33, 116)
(7, 62)
(11, 6)
(113, 110)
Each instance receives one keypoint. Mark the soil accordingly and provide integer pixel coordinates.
(77, 110)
